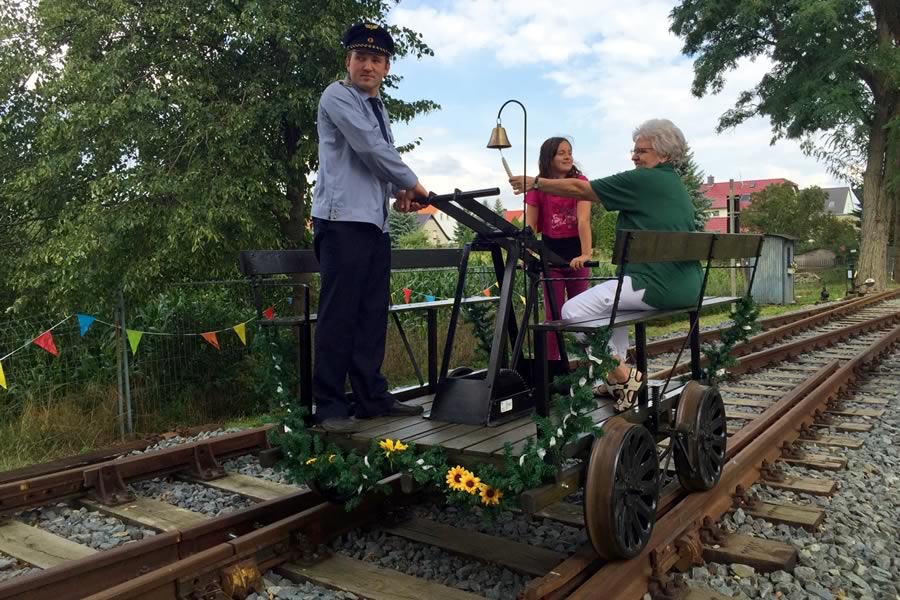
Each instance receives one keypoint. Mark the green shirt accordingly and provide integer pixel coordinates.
(655, 199)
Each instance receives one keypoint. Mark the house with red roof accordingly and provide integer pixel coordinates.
(718, 195)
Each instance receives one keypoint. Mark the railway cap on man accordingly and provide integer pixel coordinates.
(369, 36)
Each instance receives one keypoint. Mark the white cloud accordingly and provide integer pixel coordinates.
(610, 65)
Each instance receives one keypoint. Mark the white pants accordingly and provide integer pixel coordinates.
(598, 302)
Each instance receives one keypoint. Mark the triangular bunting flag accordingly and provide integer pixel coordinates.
(269, 313)
(45, 341)
(407, 295)
(241, 330)
(486, 292)
(523, 300)
(429, 298)
(85, 322)
(2, 377)
(210, 337)
(134, 338)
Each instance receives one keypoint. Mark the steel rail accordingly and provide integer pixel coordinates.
(107, 479)
(767, 338)
(675, 538)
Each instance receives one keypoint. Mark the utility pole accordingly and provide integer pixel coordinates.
(731, 218)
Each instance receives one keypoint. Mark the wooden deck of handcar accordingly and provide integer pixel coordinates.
(478, 443)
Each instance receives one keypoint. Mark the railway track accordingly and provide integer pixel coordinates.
(217, 554)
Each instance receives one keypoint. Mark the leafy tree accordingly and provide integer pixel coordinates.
(836, 74)
(693, 179)
(462, 235)
(605, 235)
(416, 238)
(163, 137)
(782, 209)
(401, 224)
(838, 235)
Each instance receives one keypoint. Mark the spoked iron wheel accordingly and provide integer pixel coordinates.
(621, 490)
(700, 455)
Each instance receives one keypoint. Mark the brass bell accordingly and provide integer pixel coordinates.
(499, 140)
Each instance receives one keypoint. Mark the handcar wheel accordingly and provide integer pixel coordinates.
(622, 489)
(701, 417)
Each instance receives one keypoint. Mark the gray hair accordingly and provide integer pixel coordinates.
(665, 138)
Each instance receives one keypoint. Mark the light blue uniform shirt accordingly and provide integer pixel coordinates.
(358, 170)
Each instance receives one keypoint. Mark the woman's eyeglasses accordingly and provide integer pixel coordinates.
(640, 151)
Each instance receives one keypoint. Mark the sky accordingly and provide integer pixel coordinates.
(588, 70)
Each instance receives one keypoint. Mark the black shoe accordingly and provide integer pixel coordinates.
(341, 424)
(398, 409)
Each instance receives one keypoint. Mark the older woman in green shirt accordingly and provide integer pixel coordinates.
(650, 197)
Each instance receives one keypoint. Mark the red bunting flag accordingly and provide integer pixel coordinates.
(45, 341)
(407, 294)
(269, 313)
(486, 292)
(212, 339)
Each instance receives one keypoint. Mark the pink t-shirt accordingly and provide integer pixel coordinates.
(558, 216)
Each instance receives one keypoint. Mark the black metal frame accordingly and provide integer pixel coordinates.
(479, 398)
(259, 265)
(664, 399)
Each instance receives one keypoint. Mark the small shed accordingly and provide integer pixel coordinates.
(774, 283)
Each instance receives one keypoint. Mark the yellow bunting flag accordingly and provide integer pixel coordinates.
(241, 330)
(2, 377)
(210, 337)
(134, 338)
(523, 300)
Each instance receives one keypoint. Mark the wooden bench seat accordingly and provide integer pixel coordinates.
(627, 317)
(393, 308)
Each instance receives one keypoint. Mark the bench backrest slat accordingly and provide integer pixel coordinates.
(736, 245)
(674, 246)
(283, 262)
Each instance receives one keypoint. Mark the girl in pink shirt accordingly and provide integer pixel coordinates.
(565, 228)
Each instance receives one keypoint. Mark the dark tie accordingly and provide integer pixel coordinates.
(376, 108)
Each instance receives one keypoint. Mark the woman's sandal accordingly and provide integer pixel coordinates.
(626, 393)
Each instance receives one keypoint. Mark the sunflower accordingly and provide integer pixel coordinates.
(390, 446)
(490, 495)
(455, 478)
(470, 483)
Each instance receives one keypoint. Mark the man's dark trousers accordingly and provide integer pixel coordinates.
(355, 271)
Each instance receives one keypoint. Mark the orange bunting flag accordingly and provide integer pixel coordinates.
(134, 339)
(407, 295)
(210, 337)
(269, 313)
(45, 341)
(241, 330)
(486, 292)
(2, 377)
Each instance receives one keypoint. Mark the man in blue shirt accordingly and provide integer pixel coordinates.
(359, 172)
